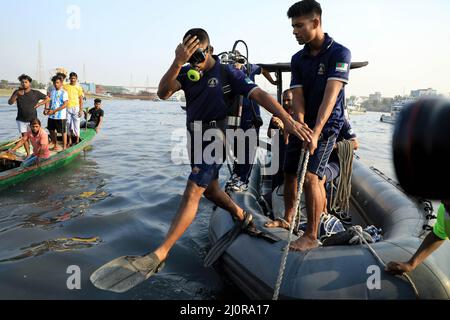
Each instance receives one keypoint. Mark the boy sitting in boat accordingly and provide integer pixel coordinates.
(96, 119)
(39, 141)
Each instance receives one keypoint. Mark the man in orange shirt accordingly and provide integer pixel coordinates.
(39, 140)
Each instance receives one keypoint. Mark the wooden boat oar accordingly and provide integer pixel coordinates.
(8, 156)
(9, 144)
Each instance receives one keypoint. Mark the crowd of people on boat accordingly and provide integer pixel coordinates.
(64, 109)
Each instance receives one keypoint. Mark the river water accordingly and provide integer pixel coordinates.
(121, 196)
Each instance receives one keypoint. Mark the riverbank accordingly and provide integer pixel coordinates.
(6, 92)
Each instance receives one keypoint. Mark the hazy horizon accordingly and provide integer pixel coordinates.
(406, 42)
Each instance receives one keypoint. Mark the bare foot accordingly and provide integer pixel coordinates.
(305, 243)
(279, 223)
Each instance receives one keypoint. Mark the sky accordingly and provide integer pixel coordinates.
(407, 43)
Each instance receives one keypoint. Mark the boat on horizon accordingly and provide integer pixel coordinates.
(396, 108)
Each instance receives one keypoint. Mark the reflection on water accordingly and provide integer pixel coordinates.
(119, 199)
(58, 245)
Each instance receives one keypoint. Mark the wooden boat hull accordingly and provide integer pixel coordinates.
(18, 175)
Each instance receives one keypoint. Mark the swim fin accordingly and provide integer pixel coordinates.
(124, 273)
(223, 243)
(253, 231)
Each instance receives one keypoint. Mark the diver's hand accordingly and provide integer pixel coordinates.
(312, 145)
(399, 268)
(186, 49)
(301, 130)
(20, 92)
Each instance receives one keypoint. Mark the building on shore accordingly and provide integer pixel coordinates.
(419, 93)
(89, 87)
(375, 97)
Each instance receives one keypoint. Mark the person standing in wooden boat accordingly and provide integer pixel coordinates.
(57, 112)
(28, 100)
(74, 109)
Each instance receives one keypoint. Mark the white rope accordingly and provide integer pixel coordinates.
(358, 230)
(302, 174)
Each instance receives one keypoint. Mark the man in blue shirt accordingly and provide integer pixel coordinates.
(206, 107)
(319, 74)
(250, 120)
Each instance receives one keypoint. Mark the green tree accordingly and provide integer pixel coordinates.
(3, 84)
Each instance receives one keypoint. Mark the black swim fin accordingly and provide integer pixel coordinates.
(219, 248)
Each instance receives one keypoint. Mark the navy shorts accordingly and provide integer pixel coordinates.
(317, 162)
(203, 172)
(332, 171)
(57, 125)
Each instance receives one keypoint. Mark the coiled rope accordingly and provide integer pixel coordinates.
(341, 201)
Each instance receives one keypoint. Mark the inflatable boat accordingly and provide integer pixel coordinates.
(336, 272)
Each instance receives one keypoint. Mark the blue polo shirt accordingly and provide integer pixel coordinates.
(204, 99)
(247, 113)
(312, 73)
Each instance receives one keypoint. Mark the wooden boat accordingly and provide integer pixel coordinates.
(11, 172)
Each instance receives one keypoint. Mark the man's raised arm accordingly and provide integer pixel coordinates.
(169, 83)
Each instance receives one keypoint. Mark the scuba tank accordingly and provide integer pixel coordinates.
(421, 148)
(234, 103)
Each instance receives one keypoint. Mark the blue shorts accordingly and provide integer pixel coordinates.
(203, 173)
(332, 171)
(317, 162)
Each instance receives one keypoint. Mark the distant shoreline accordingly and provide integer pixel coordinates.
(6, 93)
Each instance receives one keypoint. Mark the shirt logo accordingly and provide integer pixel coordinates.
(342, 67)
(213, 82)
(321, 69)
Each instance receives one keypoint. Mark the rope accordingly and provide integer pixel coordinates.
(358, 230)
(341, 201)
(303, 165)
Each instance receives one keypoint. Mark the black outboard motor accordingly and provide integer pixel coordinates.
(421, 147)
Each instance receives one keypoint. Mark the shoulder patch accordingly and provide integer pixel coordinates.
(342, 67)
